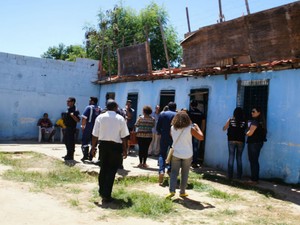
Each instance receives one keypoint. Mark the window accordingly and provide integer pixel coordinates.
(166, 96)
(253, 93)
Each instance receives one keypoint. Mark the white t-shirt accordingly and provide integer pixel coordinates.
(183, 147)
(110, 126)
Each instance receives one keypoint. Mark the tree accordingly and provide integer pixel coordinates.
(122, 26)
(62, 52)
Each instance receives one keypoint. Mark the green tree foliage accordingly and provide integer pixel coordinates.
(122, 26)
(62, 52)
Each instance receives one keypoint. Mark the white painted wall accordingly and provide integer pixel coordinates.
(31, 86)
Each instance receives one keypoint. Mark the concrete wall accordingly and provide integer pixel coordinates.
(31, 86)
(280, 156)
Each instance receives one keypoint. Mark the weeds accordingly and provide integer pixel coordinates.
(143, 204)
(57, 173)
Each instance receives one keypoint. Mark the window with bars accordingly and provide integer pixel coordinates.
(253, 93)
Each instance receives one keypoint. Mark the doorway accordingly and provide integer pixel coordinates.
(134, 103)
(201, 96)
(166, 96)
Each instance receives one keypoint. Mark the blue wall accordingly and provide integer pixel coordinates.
(280, 156)
(31, 86)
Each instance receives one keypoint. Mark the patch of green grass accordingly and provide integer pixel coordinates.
(56, 172)
(74, 190)
(142, 204)
(238, 184)
(6, 159)
(229, 212)
(129, 181)
(198, 186)
(223, 195)
(269, 207)
(74, 202)
(95, 195)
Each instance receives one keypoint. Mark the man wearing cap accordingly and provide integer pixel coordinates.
(110, 130)
(87, 123)
(71, 119)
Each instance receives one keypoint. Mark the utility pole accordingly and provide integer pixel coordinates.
(165, 46)
(221, 16)
(247, 7)
(188, 18)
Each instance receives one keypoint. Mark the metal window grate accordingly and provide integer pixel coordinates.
(253, 93)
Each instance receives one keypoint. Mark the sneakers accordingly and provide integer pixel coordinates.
(170, 195)
(183, 195)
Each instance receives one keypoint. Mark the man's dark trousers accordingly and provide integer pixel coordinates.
(70, 142)
(110, 155)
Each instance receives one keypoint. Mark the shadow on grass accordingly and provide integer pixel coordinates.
(115, 204)
(269, 188)
(192, 204)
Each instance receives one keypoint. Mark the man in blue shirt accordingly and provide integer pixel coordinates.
(87, 123)
(163, 129)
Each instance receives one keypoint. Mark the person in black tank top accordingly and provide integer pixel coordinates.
(236, 127)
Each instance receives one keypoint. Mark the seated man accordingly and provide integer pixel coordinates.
(46, 127)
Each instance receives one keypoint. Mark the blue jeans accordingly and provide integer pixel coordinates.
(165, 144)
(196, 143)
(178, 163)
(253, 155)
(235, 148)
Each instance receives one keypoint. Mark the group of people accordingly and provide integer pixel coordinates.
(156, 133)
(237, 131)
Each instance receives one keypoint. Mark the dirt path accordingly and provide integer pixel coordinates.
(19, 206)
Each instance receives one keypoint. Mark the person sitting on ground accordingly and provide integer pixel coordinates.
(46, 127)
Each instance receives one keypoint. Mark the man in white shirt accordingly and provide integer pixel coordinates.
(110, 130)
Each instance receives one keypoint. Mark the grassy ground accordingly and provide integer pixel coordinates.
(222, 202)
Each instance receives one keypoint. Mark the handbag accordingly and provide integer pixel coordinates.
(171, 151)
(133, 139)
(170, 154)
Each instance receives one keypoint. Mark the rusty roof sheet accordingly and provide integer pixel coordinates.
(174, 73)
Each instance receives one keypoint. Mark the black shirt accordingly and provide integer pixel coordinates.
(236, 130)
(68, 120)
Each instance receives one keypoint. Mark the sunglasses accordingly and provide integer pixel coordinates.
(253, 111)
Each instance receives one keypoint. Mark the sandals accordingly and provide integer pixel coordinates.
(183, 195)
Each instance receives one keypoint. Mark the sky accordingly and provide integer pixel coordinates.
(30, 27)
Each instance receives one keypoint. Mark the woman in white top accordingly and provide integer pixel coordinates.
(182, 131)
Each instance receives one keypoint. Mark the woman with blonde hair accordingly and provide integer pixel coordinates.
(182, 131)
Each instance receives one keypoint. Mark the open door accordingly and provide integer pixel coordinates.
(201, 96)
(134, 98)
